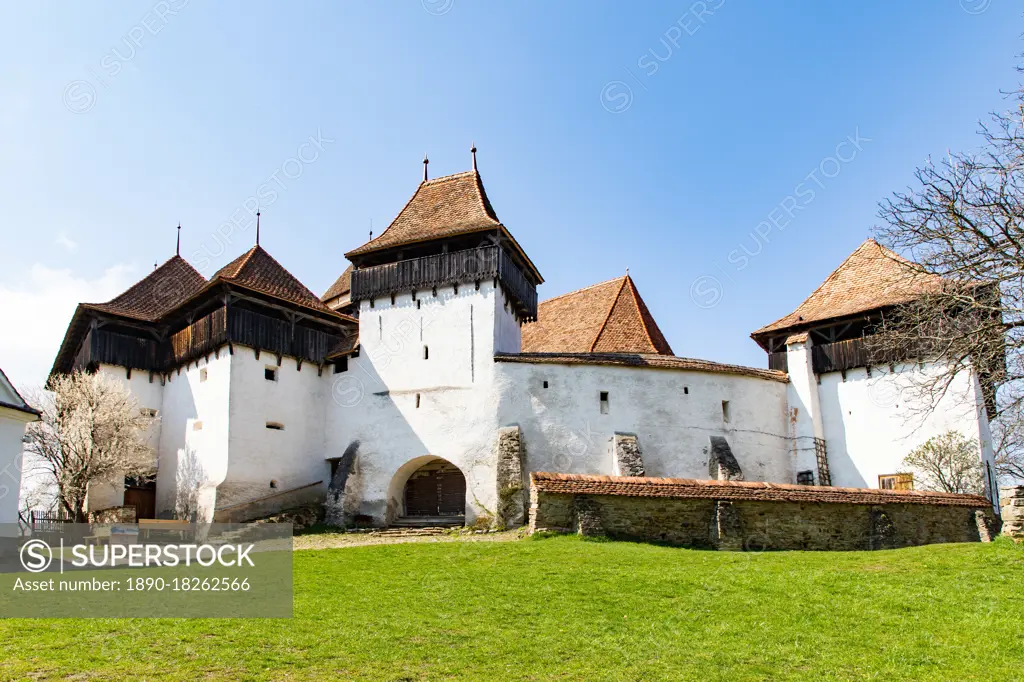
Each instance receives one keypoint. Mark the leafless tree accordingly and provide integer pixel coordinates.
(190, 477)
(91, 432)
(962, 226)
(948, 463)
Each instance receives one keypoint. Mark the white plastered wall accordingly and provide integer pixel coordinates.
(872, 422)
(672, 412)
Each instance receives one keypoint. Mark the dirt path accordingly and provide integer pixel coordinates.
(334, 540)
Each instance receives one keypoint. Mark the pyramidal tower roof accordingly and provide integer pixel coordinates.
(157, 293)
(442, 207)
(609, 317)
(449, 206)
(872, 277)
(258, 271)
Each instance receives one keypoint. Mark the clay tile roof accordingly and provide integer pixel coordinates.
(609, 317)
(341, 286)
(685, 488)
(155, 294)
(442, 207)
(257, 270)
(648, 360)
(871, 277)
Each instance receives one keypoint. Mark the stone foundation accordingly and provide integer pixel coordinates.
(753, 516)
(511, 488)
(1011, 508)
(626, 450)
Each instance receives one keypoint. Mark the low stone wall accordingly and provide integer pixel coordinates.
(753, 516)
(113, 515)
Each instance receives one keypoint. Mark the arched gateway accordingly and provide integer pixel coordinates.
(437, 489)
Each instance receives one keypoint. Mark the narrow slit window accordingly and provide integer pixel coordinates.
(417, 401)
(686, 390)
(426, 353)
(270, 373)
(604, 402)
(275, 426)
(725, 411)
(203, 374)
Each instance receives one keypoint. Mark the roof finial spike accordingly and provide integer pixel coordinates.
(627, 271)
(473, 152)
(371, 228)
(154, 265)
(426, 162)
(257, 226)
(177, 250)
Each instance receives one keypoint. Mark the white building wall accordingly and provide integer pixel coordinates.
(195, 425)
(292, 457)
(872, 422)
(404, 409)
(672, 412)
(12, 429)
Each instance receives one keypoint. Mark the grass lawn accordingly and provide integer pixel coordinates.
(567, 609)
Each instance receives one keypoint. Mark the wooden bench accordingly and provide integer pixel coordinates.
(148, 526)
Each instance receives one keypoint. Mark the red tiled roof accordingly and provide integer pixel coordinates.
(872, 277)
(442, 207)
(341, 286)
(650, 360)
(686, 488)
(257, 270)
(155, 294)
(609, 317)
(448, 206)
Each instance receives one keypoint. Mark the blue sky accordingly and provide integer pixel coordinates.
(611, 135)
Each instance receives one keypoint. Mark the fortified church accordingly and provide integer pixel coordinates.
(428, 382)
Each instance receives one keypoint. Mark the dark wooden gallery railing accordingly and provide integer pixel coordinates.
(779, 361)
(487, 262)
(204, 336)
(843, 355)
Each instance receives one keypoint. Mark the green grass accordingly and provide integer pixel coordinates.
(565, 609)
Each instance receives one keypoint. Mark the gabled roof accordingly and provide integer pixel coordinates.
(257, 271)
(155, 294)
(341, 286)
(872, 277)
(11, 399)
(609, 317)
(448, 206)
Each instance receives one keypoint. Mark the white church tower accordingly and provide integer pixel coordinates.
(441, 291)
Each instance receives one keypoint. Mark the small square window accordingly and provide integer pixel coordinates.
(686, 390)
(805, 477)
(341, 365)
(270, 373)
(545, 384)
(604, 402)
(203, 374)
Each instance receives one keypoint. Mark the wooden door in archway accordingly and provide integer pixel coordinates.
(437, 488)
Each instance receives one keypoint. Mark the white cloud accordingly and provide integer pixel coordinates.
(36, 311)
(65, 241)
